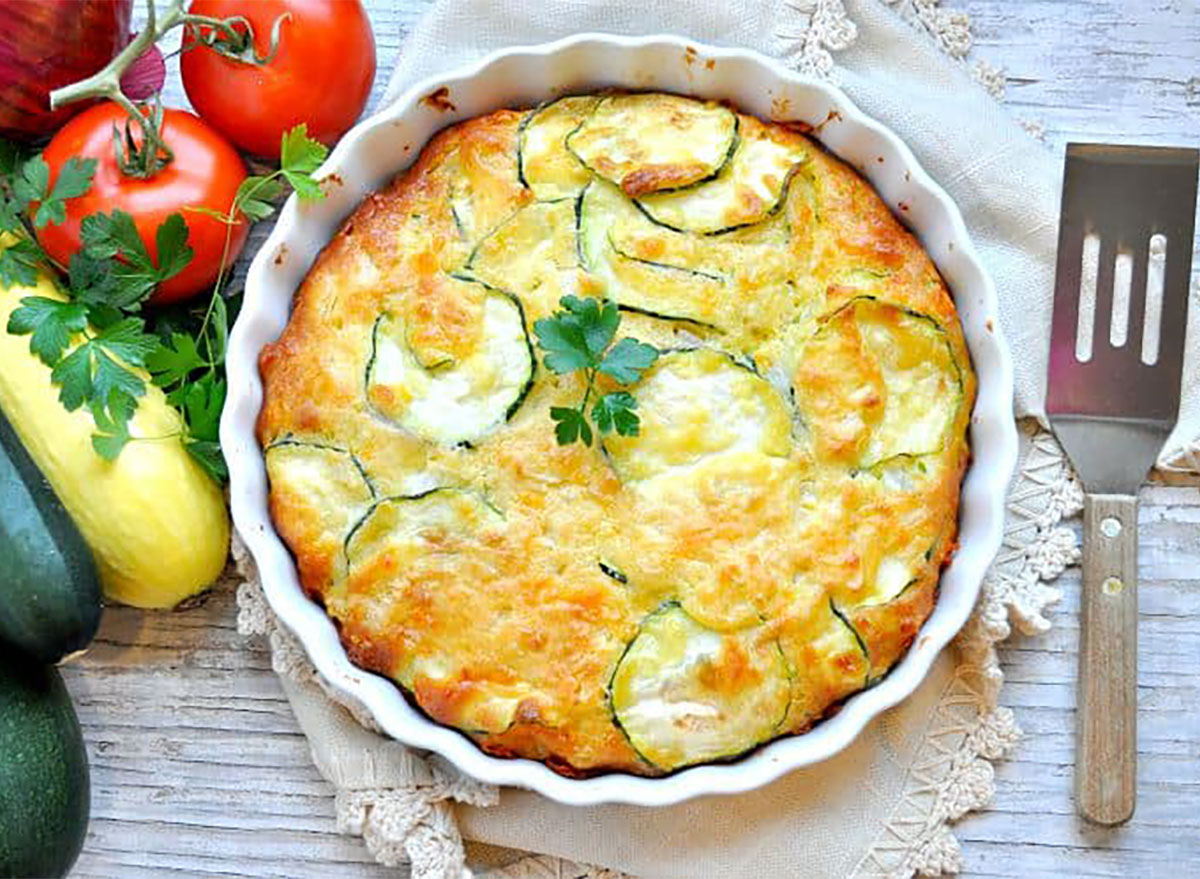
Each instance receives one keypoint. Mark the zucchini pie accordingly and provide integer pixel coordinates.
(766, 545)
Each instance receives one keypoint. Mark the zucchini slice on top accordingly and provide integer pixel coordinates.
(635, 282)
(650, 142)
(409, 527)
(698, 405)
(459, 400)
(840, 661)
(887, 628)
(544, 163)
(878, 385)
(686, 694)
(749, 189)
(528, 252)
(317, 492)
(482, 190)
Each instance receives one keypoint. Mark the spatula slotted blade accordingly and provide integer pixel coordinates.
(1113, 412)
(1113, 397)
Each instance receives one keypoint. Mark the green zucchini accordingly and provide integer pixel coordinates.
(457, 402)
(749, 189)
(684, 694)
(405, 522)
(666, 267)
(523, 252)
(544, 164)
(906, 361)
(294, 446)
(613, 572)
(45, 793)
(50, 597)
(646, 143)
(324, 489)
(839, 641)
(671, 292)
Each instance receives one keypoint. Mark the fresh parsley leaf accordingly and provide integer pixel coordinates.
(19, 263)
(112, 431)
(106, 282)
(73, 375)
(626, 360)
(202, 405)
(50, 322)
(563, 341)
(107, 235)
(299, 157)
(256, 197)
(576, 338)
(615, 411)
(98, 371)
(173, 362)
(208, 455)
(10, 215)
(598, 322)
(112, 378)
(32, 181)
(570, 425)
(32, 184)
(74, 179)
(171, 244)
(128, 340)
(216, 336)
(90, 279)
(134, 274)
(102, 316)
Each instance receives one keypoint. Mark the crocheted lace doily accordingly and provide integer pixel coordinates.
(952, 773)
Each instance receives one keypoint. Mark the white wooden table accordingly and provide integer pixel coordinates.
(198, 768)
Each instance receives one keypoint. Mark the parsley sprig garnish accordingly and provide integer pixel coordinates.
(577, 339)
(96, 340)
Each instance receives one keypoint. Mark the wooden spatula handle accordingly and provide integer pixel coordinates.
(1106, 755)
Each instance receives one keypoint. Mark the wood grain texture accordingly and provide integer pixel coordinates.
(199, 769)
(1106, 744)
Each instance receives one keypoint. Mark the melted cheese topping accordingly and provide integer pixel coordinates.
(452, 401)
(770, 541)
(651, 142)
(685, 694)
(746, 190)
(545, 163)
(700, 407)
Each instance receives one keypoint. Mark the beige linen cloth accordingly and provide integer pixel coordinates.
(882, 807)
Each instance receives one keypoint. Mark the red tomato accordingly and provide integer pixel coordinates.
(205, 173)
(321, 75)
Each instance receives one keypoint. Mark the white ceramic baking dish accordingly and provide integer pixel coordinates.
(376, 149)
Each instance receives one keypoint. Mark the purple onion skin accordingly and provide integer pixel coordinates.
(46, 44)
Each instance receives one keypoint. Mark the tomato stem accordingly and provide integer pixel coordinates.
(233, 37)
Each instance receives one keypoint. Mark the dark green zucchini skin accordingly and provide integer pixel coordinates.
(49, 589)
(45, 794)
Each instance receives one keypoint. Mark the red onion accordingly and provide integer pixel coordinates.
(145, 75)
(47, 45)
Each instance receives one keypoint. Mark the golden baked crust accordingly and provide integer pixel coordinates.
(768, 545)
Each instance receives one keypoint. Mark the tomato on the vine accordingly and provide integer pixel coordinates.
(321, 73)
(205, 173)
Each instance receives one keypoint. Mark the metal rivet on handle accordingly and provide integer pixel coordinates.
(1110, 527)
(1112, 586)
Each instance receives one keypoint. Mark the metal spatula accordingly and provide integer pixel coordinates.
(1124, 244)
